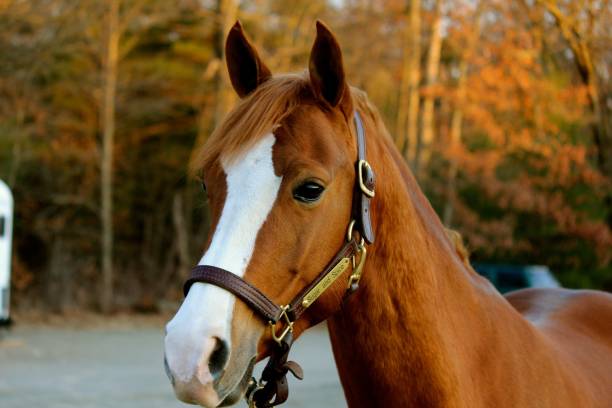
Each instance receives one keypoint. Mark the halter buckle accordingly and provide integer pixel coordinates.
(362, 186)
(288, 328)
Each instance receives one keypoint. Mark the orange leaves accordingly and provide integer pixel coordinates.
(525, 145)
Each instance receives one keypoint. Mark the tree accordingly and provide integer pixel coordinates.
(580, 37)
(106, 160)
(424, 148)
(409, 97)
(457, 116)
(504, 144)
(227, 14)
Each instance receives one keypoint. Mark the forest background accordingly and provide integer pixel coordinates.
(501, 108)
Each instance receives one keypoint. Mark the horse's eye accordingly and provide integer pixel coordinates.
(308, 192)
(203, 187)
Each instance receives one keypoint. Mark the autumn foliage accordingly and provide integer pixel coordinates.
(500, 108)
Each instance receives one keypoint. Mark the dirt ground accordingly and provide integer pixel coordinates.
(99, 363)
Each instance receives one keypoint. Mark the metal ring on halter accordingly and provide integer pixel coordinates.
(288, 325)
(349, 234)
(349, 231)
(253, 387)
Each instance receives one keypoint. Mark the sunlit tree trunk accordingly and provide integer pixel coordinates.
(423, 152)
(227, 13)
(455, 141)
(402, 103)
(415, 77)
(457, 121)
(211, 114)
(408, 106)
(106, 170)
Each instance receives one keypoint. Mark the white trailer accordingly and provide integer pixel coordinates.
(6, 235)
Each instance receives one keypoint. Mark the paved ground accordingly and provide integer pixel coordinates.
(55, 367)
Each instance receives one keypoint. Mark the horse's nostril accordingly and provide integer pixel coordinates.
(218, 358)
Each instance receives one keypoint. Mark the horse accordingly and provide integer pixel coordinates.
(422, 329)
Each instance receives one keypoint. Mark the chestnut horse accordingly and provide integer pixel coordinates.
(423, 329)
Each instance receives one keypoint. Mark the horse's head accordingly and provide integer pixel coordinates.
(280, 175)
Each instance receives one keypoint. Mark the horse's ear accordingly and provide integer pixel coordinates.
(327, 70)
(246, 70)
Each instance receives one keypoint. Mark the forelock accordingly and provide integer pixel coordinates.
(253, 117)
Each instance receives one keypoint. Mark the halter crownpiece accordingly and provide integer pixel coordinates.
(272, 389)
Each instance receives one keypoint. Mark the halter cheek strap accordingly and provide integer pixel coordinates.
(272, 389)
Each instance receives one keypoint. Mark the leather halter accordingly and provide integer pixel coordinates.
(273, 382)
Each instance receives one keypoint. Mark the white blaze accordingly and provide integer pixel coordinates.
(252, 188)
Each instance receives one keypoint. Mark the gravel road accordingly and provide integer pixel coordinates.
(56, 367)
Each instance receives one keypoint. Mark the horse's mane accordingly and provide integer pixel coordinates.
(360, 98)
(459, 245)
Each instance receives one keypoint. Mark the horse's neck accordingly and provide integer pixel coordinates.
(420, 316)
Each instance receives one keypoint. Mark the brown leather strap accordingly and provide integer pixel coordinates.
(236, 285)
(274, 376)
(361, 200)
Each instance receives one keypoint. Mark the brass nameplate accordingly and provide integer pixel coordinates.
(326, 282)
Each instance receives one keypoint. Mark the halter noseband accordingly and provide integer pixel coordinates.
(273, 382)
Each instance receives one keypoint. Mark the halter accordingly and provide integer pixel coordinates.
(273, 382)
